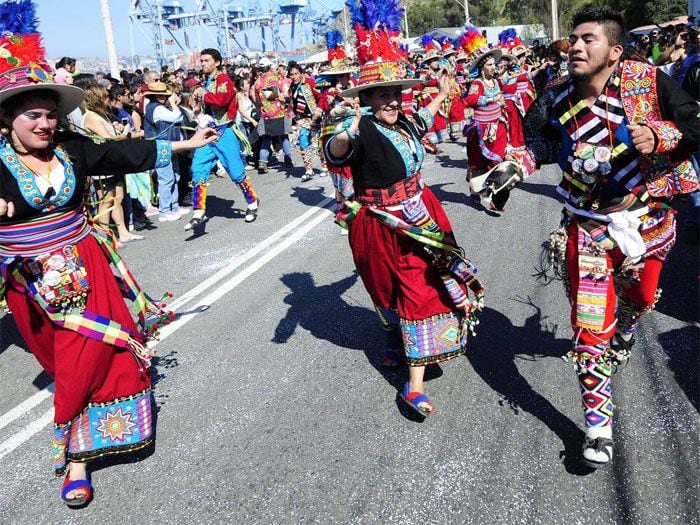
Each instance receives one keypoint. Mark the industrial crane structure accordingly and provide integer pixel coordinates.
(285, 27)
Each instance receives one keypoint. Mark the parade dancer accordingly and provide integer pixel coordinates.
(338, 77)
(429, 89)
(218, 95)
(64, 282)
(627, 131)
(509, 77)
(486, 133)
(401, 240)
(453, 106)
(304, 105)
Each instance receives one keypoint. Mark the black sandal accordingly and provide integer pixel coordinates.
(196, 222)
(623, 352)
(252, 214)
(600, 444)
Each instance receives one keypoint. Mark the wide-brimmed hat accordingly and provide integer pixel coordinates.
(510, 58)
(158, 88)
(34, 78)
(380, 74)
(377, 24)
(470, 42)
(23, 66)
(447, 48)
(431, 49)
(482, 55)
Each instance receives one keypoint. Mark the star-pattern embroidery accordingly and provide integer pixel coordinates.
(115, 426)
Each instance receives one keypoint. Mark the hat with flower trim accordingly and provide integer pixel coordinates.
(23, 65)
(339, 61)
(377, 24)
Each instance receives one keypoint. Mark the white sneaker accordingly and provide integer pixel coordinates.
(183, 211)
(150, 212)
(307, 176)
(324, 173)
(169, 217)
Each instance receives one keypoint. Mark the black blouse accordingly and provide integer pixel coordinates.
(374, 160)
(87, 158)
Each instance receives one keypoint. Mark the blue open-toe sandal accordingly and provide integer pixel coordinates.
(414, 399)
(77, 484)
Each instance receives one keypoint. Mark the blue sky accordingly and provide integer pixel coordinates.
(74, 27)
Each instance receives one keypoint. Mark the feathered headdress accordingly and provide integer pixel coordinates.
(23, 65)
(334, 44)
(509, 41)
(474, 47)
(431, 48)
(472, 40)
(377, 24)
(404, 51)
(20, 43)
(340, 63)
(446, 47)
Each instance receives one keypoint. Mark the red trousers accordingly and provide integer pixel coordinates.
(641, 294)
(84, 370)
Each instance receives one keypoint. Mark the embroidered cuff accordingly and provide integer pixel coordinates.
(334, 161)
(666, 133)
(482, 101)
(164, 153)
(427, 117)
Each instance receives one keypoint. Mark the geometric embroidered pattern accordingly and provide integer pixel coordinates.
(596, 394)
(431, 340)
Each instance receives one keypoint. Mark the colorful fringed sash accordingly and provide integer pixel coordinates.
(60, 229)
(454, 268)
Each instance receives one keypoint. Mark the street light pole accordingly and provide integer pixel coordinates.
(405, 21)
(466, 11)
(555, 20)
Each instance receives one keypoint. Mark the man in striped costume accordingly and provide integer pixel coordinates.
(627, 132)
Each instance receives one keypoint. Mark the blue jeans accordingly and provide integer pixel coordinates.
(265, 142)
(167, 189)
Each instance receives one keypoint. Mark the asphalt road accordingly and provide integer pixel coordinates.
(273, 407)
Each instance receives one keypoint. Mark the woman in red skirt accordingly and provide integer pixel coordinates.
(401, 240)
(63, 281)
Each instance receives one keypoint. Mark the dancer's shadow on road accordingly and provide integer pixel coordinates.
(681, 347)
(546, 190)
(444, 195)
(309, 195)
(323, 312)
(9, 335)
(679, 281)
(500, 346)
(448, 162)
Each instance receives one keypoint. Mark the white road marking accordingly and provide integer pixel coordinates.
(238, 261)
(26, 433)
(25, 406)
(225, 287)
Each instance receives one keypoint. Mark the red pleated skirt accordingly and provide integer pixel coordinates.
(395, 269)
(85, 371)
